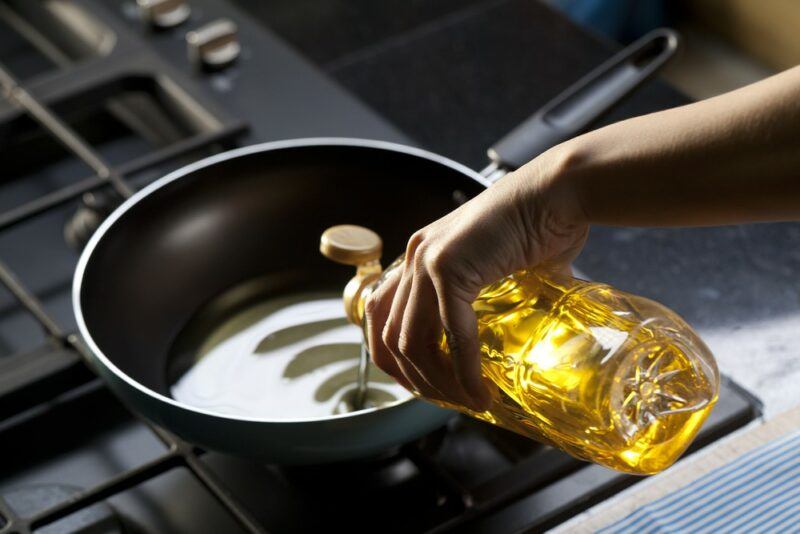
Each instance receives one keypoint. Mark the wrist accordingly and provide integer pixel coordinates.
(545, 206)
(554, 181)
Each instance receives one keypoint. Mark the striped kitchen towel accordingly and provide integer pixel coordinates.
(759, 492)
(748, 481)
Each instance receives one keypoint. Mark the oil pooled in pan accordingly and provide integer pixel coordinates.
(288, 357)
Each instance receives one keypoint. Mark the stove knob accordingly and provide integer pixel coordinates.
(213, 46)
(163, 13)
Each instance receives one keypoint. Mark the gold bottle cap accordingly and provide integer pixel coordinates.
(351, 244)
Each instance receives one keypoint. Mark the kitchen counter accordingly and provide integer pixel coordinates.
(455, 75)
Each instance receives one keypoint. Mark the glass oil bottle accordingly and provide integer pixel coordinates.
(606, 376)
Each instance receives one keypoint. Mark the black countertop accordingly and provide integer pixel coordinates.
(455, 75)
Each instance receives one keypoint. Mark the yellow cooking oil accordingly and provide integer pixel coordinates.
(606, 376)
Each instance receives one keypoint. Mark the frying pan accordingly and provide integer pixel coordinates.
(256, 213)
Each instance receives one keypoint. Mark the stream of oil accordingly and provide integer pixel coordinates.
(289, 357)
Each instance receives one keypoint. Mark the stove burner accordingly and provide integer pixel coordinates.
(27, 501)
(428, 445)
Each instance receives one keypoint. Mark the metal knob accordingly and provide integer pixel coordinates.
(164, 13)
(213, 46)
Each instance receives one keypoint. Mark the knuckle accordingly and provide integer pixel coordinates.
(405, 344)
(389, 339)
(416, 238)
(371, 306)
(437, 260)
(414, 242)
(380, 298)
(423, 251)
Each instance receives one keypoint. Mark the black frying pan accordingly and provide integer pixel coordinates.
(254, 216)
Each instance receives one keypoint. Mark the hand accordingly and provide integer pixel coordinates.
(529, 218)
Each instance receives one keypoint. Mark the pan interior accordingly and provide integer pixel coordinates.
(180, 261)
(269, 349)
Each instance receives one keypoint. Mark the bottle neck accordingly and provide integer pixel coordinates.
(367, 279)
(358, 289)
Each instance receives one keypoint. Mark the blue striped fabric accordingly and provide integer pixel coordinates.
(758, 492)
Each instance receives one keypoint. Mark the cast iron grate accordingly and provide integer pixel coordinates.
(71, 372)
(179, 453)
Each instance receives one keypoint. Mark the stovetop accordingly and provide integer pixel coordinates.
(76, 452)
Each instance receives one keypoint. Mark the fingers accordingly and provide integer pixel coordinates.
(377, 311)
(405, 319)
(461, 328)
(392, 332)
(420, 336)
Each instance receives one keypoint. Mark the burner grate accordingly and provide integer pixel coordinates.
(62, 132)
(179, 453)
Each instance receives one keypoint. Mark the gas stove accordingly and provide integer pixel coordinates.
(100, 99)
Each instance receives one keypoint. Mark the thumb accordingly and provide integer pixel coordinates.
(461, 328)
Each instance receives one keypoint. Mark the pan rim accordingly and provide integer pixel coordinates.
(159, 183)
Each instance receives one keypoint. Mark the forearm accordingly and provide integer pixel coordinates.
(734, 158)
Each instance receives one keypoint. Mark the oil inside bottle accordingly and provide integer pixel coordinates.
(608, 377)
(281, 357)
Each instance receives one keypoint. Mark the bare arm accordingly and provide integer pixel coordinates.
(730, 159)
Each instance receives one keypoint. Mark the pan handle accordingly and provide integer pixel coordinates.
(591, 97)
